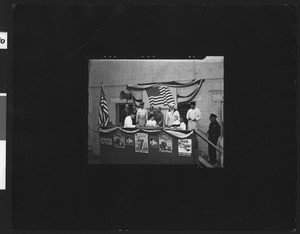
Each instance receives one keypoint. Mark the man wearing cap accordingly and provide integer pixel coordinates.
(141, 115)
(214, 133)
(172, 115)
(193, 116)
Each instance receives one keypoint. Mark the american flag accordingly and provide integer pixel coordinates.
(160, 95)
(103, 110)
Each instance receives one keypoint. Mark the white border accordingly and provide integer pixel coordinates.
(2, 164)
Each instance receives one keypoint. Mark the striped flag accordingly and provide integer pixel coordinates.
(103, 110)
(160, 95)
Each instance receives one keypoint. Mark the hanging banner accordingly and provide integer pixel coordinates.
(141, 143)
(165, 143)
(185, 147)
(119, 139)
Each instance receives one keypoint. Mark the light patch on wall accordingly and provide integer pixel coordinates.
(2, 164)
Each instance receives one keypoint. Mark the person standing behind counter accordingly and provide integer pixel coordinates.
(172, 115)
(151, 111)
(141, 115)
(193, 116)
(151, 122)
(159, 117)
(128, 121)
(134, 111)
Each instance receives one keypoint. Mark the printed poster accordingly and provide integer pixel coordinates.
(153, 142)
(185, 147)
(165, 143)
(129, 140)
(105, 141)
(119, 139)
(141, 143)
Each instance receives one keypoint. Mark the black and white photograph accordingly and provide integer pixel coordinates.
(182, 95)
(165, 143)
(185, 147)
(150, 116)
(141, 143)
(119, 139)
(129, 140)
(153, 142)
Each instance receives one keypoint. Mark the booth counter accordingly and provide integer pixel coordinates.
(146, 146)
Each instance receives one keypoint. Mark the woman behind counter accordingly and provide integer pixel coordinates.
(151, 122)
(141, 116)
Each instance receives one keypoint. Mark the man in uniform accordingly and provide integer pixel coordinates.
(214, 133)
(193, 116)
(141, 116)
(172, 115)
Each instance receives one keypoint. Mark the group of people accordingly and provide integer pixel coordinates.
(142, 117)
(155, 118)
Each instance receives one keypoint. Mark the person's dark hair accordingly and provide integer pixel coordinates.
(150, 116)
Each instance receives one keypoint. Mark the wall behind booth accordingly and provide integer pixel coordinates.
(117, 73)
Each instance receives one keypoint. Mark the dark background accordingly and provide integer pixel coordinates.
(52, 185)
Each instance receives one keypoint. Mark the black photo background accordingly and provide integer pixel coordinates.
(54, 187)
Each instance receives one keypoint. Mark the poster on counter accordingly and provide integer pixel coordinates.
(129, 140)
(153, 142)
(119, 139)
(185, 147)
(105, 141)
(141, 143)
(165, 143)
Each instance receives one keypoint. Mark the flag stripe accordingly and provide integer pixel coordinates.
(103, 118)
(160, 95)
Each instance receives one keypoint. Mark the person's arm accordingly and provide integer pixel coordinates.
(160, 123)
(188, 115)
(166, 120)
(125, 123)
(137, 117)
(177, 115)
(198, 115)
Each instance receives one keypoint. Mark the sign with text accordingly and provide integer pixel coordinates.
(3, 40)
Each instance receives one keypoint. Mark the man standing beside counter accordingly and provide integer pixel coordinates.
(193, 116)
(172, 115)
(141, 115)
